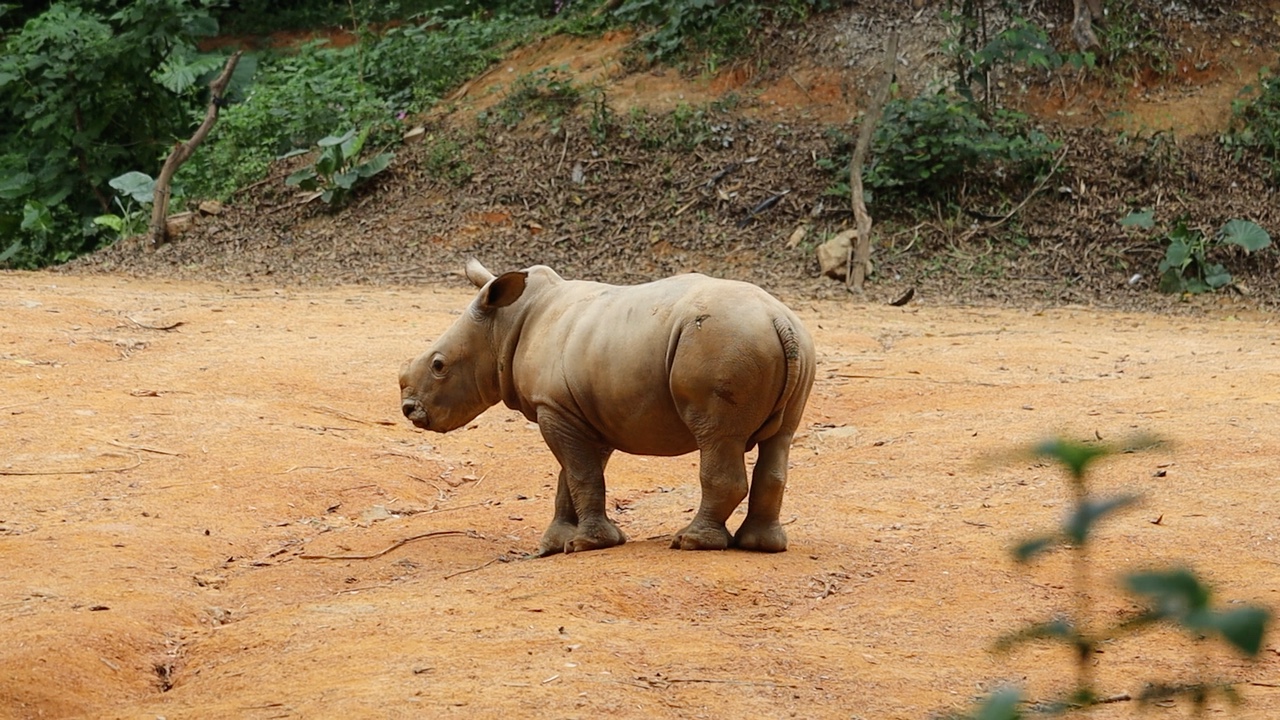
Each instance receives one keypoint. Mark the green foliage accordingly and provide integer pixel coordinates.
(1173, 596)
(1255, 124)
(548, 93)
(929, 144)
(338, 167)
(713, 28)
(444, 160)
(301, 95)
(135, 194)
(1186, 268)
(1131, 42)
(85, 94)
(412, 66)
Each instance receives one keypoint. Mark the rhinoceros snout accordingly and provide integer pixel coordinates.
(407, 407)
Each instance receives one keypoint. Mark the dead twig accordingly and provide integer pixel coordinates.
(22, 404)
(500, 558)
(144, 448)
(393, 546)
(314, 467)
(325, 409)
(145, 326)
(137, 460)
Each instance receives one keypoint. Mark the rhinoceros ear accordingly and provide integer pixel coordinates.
(506, 289)
(477, 273)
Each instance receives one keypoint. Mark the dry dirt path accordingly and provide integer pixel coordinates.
(197, 442)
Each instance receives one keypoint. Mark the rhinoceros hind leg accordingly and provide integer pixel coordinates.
(724, 485)
(602, 533)
(761, 531)
(556, 538)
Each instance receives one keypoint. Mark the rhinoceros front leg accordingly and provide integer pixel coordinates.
(565, 523)
(723, 474)
(580, 522)
(761, 530)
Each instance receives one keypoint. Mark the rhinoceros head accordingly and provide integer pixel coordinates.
(456, 379)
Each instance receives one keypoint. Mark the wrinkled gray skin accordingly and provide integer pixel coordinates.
(665, 368)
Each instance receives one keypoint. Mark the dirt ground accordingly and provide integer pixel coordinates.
(176, 453)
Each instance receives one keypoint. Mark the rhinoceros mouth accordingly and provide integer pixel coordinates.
(416, 415)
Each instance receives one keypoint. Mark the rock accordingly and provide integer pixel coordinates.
(210, 207)
(833, 255)
(416, 135)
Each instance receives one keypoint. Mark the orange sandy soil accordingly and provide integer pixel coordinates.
(156, 567)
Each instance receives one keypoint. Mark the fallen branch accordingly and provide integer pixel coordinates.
(1034, 191)
(393, 546)
(347, 416)
(137, 460)
(144, 448)
(768, 203)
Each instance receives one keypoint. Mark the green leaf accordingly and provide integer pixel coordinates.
(17, 185)
(375, 165)
(301, 176)
(10, 251)
(1176, 593)
(1076, 457)
(1178, 255)
(1052, 630)
(1243, 628)
(1081, 522)
(140, 187)
(1247, 235)
(352, 146)
(1142, 219)
(346, 179)
(331, 140)
(115, 222)
(1028, 549)
(1216, 276)
(36, 217)
(1001, 705)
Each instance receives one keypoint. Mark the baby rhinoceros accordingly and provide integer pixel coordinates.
(664, 368)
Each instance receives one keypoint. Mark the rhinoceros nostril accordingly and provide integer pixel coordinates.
(407, 407)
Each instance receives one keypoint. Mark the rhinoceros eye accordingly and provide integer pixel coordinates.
(437, 365)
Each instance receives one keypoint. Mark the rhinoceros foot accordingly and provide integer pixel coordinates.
(590, 536)
(702, 535)
(760, 536)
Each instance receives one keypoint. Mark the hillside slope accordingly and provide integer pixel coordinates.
(668, 185)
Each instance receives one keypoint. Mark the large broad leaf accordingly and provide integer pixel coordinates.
(179, 71)
(16, 185)
(1246, 234)
(115, 222)
(1142, 219)
(138, 186)
(36, 217)
(1176, 593)
(1216, 276)
(304, 178)
(346, 179)
(351, 147)
(376, 165)
(331, 140)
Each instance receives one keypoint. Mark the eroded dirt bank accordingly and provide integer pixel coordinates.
(195, 441)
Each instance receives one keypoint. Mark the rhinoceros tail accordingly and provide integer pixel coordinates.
(792, 352)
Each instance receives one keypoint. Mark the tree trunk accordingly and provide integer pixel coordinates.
(860, 256)
(182, 152)
(1082, 23)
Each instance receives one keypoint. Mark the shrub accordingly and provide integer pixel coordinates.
(1255, 125)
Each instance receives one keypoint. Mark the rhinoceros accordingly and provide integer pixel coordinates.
(664, 368)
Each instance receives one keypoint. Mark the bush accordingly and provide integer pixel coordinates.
(85, 95)
(928, 145)
(1255, 125)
